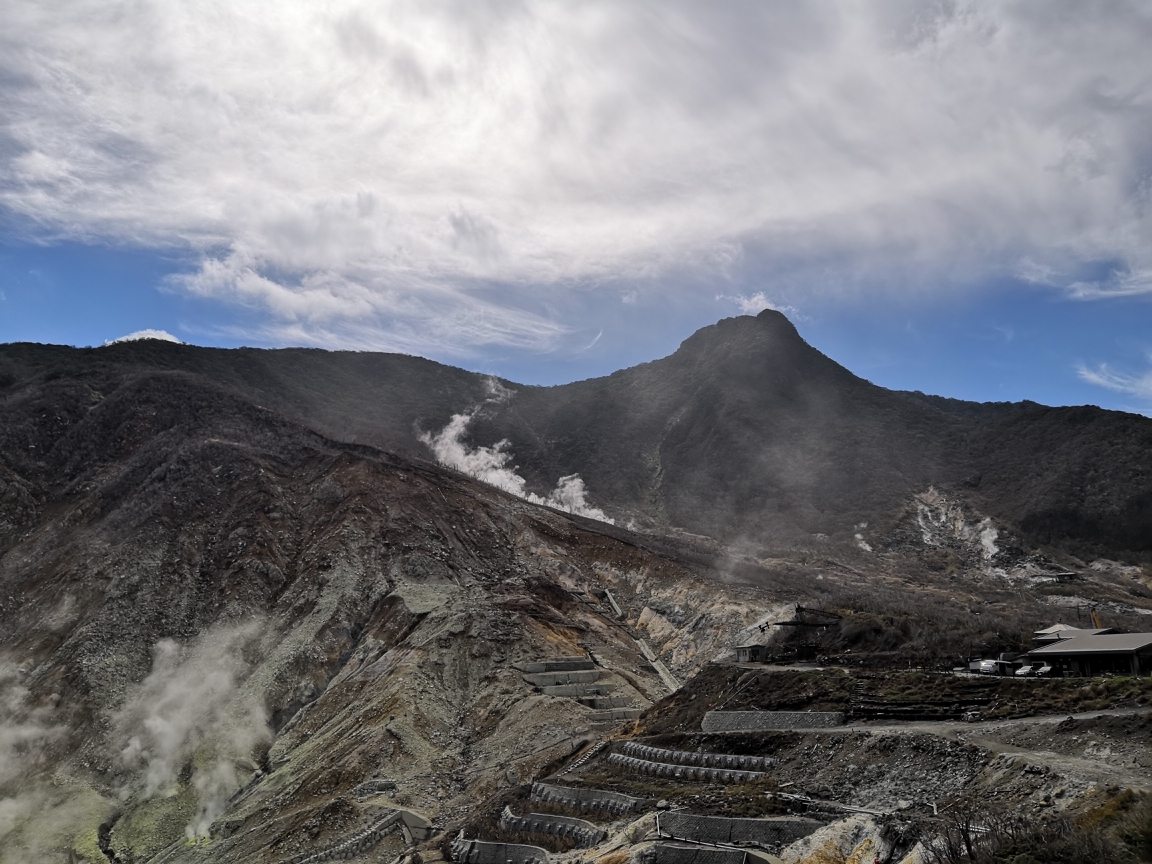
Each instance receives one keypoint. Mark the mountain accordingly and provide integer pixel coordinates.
(746, 433)
(243, 616)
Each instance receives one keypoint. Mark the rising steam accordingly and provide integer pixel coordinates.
(25, 733)
(490, 464)
(189, 709)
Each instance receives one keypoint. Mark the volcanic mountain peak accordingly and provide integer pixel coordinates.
(220, 625)
(745, 432)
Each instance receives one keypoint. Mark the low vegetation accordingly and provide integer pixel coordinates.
(1118, 830)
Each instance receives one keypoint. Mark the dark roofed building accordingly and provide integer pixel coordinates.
(1126, 654)
(1057, 632)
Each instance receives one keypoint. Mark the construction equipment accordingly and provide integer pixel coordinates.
(1096, 620)
(806, 617)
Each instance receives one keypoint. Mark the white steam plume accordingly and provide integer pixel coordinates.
(490, 465)
(189, 706)
(25, 733)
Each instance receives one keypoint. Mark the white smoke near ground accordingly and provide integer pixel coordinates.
(213, 787)
(189, 709)
(25, 734)
(491, 464)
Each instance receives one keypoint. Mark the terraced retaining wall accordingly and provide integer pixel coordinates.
(552, 679)
(597, 800)
(604, 701)
(354, 845)
(765, 721)
(608, 714)
(718, 829)
(670, 853)
(480, 852)
(558, 664)
(682, 772)
(687, 757)
(576, 690)
(584, 833)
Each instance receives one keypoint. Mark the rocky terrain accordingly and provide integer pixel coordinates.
(246, 616)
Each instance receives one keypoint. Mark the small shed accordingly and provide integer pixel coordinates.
(1095, 654)
(751, 653)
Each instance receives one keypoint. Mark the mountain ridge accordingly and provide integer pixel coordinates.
(745, 433)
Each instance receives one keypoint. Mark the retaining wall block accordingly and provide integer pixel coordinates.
(770, 831)
(665, 769)
(582, 798)
(766, 721)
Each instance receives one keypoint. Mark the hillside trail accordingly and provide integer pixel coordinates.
(991, 734)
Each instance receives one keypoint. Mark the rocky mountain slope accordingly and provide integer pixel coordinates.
(746, 433)
(195, 592)
(228, 635)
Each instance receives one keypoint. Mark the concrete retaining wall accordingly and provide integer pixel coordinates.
(685, 757)
(557, 664)
(352, 846)
(584, 833)
(576, 690)
(766, 721)
(682, 772)
(594, 800)
(669, 853)
(479, 852)
(604, 701)
(717, 829)
(552, 679)
(615, 714)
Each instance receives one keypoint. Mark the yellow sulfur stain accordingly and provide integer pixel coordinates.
(863, 853)
(830, 853)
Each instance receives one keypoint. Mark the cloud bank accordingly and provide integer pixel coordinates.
(436, 177)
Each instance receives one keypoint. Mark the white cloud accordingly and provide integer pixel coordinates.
(1103, 375)
(754, 304)
(432, 176)
(162, 335)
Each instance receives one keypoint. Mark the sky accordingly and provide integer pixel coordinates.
(951, 197)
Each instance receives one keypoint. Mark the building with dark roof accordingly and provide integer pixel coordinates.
(1092, 654)
(1057, 632)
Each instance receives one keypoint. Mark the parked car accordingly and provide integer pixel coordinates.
(995, 667)
(1028, 669)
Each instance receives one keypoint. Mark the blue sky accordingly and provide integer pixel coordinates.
(949, 197)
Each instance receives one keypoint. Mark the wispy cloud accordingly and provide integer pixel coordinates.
(1124, 283)
(1138, 385)
(397, 174)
